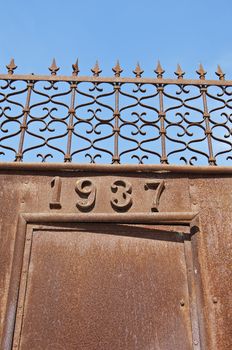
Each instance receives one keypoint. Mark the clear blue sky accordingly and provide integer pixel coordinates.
(181, 31)
(173, 31)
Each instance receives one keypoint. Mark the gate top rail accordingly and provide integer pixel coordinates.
(105, 79)
(116, 120)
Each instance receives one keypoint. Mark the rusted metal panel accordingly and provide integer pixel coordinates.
(37, 192)
(206, 274)
(10, 197)
(215, 259)
(21, 240)
(106, 286)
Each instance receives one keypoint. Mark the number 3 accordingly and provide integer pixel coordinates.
(123, 200)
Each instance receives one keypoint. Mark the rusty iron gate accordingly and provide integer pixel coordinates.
(122, 253)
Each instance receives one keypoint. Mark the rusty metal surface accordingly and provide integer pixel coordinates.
(214, 256)
(32, 191)
(122, 168)
(114, 286)
(115, 120)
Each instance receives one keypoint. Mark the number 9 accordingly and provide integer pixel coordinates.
(87, 192)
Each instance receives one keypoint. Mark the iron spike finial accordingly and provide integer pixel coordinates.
(201, 72)
(220, 73)
(138, 71)
(159, 70)
(75, 67)
(11, 66)
(96, 70)
(53, 68)
(179, 72)
(117, 69)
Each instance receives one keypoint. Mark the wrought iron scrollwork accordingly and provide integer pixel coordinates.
(115, 120)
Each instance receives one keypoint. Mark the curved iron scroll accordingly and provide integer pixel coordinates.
(98, 120)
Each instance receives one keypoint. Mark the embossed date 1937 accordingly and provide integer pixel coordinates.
(121, 194)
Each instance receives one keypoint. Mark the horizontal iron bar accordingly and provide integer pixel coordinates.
(133, 218)
(92, 79)
(115, 168)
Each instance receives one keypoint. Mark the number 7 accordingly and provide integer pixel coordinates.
(159, 187)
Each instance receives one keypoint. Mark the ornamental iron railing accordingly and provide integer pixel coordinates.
(96, 119)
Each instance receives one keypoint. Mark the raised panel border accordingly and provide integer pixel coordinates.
(189, 219)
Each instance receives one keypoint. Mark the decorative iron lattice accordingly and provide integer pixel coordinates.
(115, 120)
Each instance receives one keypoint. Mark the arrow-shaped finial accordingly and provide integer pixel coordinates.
(201, 72)
(11, 66)
(138, 71)
(53, 68)
(75, 67)
(159, 70)
(179, 72)
(117, 69)
(96, 70)
(220, 73)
